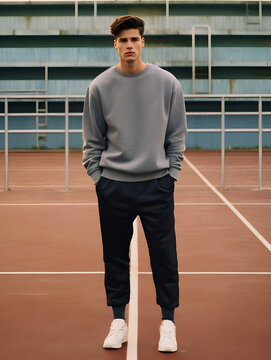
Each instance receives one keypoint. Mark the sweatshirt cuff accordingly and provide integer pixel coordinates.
(173, 172)
(95, 175)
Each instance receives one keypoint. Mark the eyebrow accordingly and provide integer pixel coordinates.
(133, 38)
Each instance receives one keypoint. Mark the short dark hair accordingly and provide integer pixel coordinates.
(127, 22)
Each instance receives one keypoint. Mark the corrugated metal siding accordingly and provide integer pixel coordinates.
(170, 56)
(154, 24)
(78, 87)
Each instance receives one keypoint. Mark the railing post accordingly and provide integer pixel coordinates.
(167, 14)
(260, 15)
(222, 142)
(260, 124)
(193, 61)
(6, 143)
(210, 59)
(76, 15)
(95, 10)
(67, 141)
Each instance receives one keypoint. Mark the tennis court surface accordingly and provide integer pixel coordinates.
(52, 299)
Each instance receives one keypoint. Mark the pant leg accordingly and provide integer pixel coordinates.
(157, 217)
(116, 221)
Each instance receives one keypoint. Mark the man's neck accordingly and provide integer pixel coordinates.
(131, 67)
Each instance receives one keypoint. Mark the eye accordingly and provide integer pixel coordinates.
(123, 40)
(135, 39)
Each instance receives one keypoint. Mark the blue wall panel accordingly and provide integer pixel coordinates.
(160, 55)
(154, 24)
(203, 140)
(219, 86)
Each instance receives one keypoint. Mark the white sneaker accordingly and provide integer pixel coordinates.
(167, 342)
(118, 335)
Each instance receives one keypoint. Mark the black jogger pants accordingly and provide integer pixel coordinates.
(119, 204)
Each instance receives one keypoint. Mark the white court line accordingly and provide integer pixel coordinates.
(37, 186)
(229, 204)
(49, 204)
(95, 204)
(215, 273)
(266, 187)
(35, 169)
(252, 204)
(133, 305)
(135, 274)
(49, 187)
(51, 272)
(222, 204)
(86, 187)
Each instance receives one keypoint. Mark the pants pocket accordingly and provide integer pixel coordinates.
(165, 183)
(99, 183)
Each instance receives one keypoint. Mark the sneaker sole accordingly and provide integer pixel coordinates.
(118, 346)
(167, 349)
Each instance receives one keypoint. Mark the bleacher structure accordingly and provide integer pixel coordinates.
(213, 47)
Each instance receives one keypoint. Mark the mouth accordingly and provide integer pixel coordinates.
(129, 53)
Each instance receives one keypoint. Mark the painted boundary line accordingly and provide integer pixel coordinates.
(50, 204)
(176, 203)
(133, 305)
(86, 188)
(135, 274)
(229, 204)
(215, 273)
(51, 272)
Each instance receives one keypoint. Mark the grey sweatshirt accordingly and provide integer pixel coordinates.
(134, 126)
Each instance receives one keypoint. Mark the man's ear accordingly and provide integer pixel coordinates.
(143, 42)
(115, 45)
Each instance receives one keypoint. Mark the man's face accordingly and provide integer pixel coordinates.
(129, 45)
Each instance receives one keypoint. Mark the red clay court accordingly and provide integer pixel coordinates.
(53, 303)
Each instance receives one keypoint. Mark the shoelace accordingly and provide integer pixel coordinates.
(168, 333)
(114, 331)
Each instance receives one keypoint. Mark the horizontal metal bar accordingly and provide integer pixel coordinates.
(227, 130)
(57, 2)
(199, 113)
(241, 130)
(204, 130)
(187, 96)
(241, 113)
(36, 131)
(196, 113)
(41, 114)
(74, 131)
(40, 96)
(36, 114)
(187, 114)
(226, 96)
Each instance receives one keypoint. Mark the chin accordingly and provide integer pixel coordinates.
(130, 60)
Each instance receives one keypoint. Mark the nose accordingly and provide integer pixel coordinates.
(129, 45)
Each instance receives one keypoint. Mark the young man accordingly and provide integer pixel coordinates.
(134, 128)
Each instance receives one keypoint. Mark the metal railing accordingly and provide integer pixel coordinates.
(223, 130)
(67, 114)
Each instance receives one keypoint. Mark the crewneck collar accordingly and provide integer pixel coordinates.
(132, 75)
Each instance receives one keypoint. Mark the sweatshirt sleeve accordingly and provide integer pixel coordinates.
(94, 133)
(176, 130)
